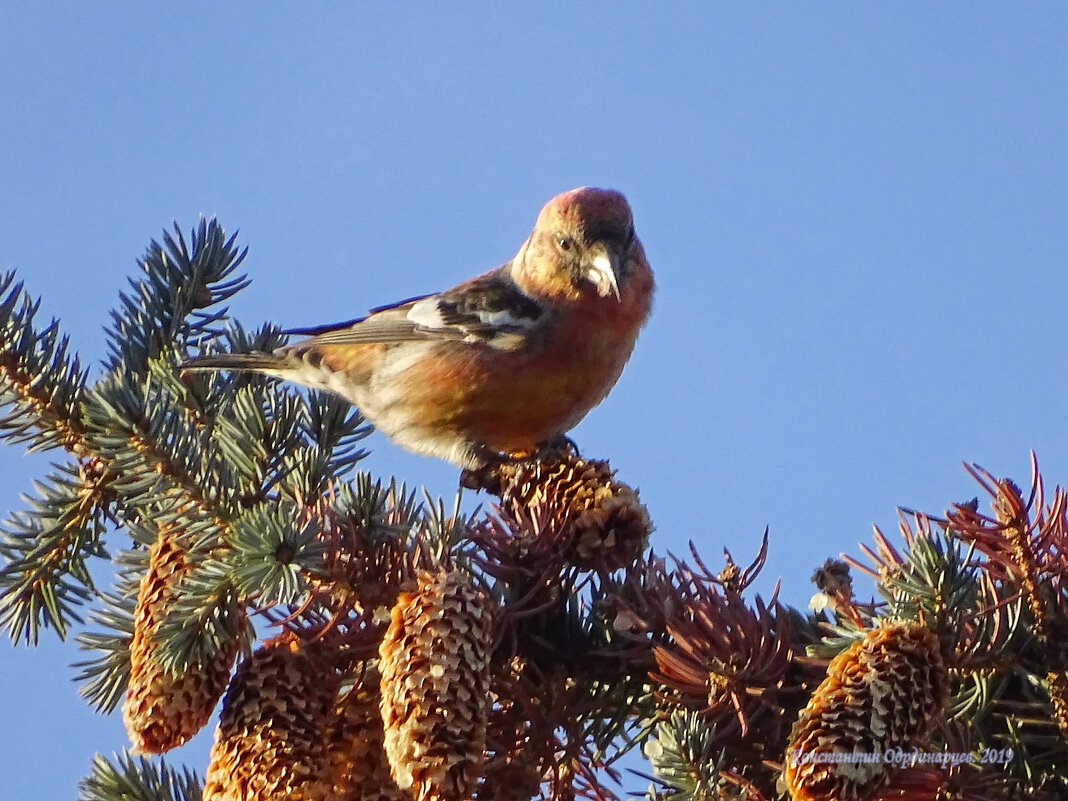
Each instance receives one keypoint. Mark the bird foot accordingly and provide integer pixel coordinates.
(555, 447)
(485, 477)
(485, 472)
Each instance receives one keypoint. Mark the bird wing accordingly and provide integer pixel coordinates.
(489, 310)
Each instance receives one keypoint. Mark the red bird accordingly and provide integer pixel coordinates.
(504, 363)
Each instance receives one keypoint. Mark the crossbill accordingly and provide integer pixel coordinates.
(501, 365)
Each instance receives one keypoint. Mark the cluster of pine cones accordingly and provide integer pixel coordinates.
(302, 721)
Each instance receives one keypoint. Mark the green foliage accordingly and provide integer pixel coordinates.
(167, 309)
(272, 552)
(47, 575)
(939, 580)
(105, 677)
(41, 381)
(206, 617)
(138, 779)
(684, 759)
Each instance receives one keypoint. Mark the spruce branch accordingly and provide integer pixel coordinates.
(273, 551)
(335, 427)
(330, 428)
(41, 380)
(257, 437)
(105, 677)
(124, 430)
(1025, 541)
(208, 395)
(167, 308)
(684, 759)
(149, 448)
(46, 577)
(939, 582)
(138, 779)
(206, 618)
(372, 513)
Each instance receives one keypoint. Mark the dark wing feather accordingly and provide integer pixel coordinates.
(382, 324)
(489, 309)
(321, 329)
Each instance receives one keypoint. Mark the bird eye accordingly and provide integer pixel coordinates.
(564, 243)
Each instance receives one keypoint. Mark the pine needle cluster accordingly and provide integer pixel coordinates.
(369, 642)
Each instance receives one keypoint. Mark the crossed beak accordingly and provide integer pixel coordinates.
(602, 273)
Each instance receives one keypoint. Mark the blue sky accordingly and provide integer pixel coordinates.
(856, 214)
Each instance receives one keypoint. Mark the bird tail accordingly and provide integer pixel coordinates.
(233, 361)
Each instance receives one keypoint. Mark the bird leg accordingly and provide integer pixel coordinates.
(558, 445)
(486, 475)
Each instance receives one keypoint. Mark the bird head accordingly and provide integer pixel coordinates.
(583, 244)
